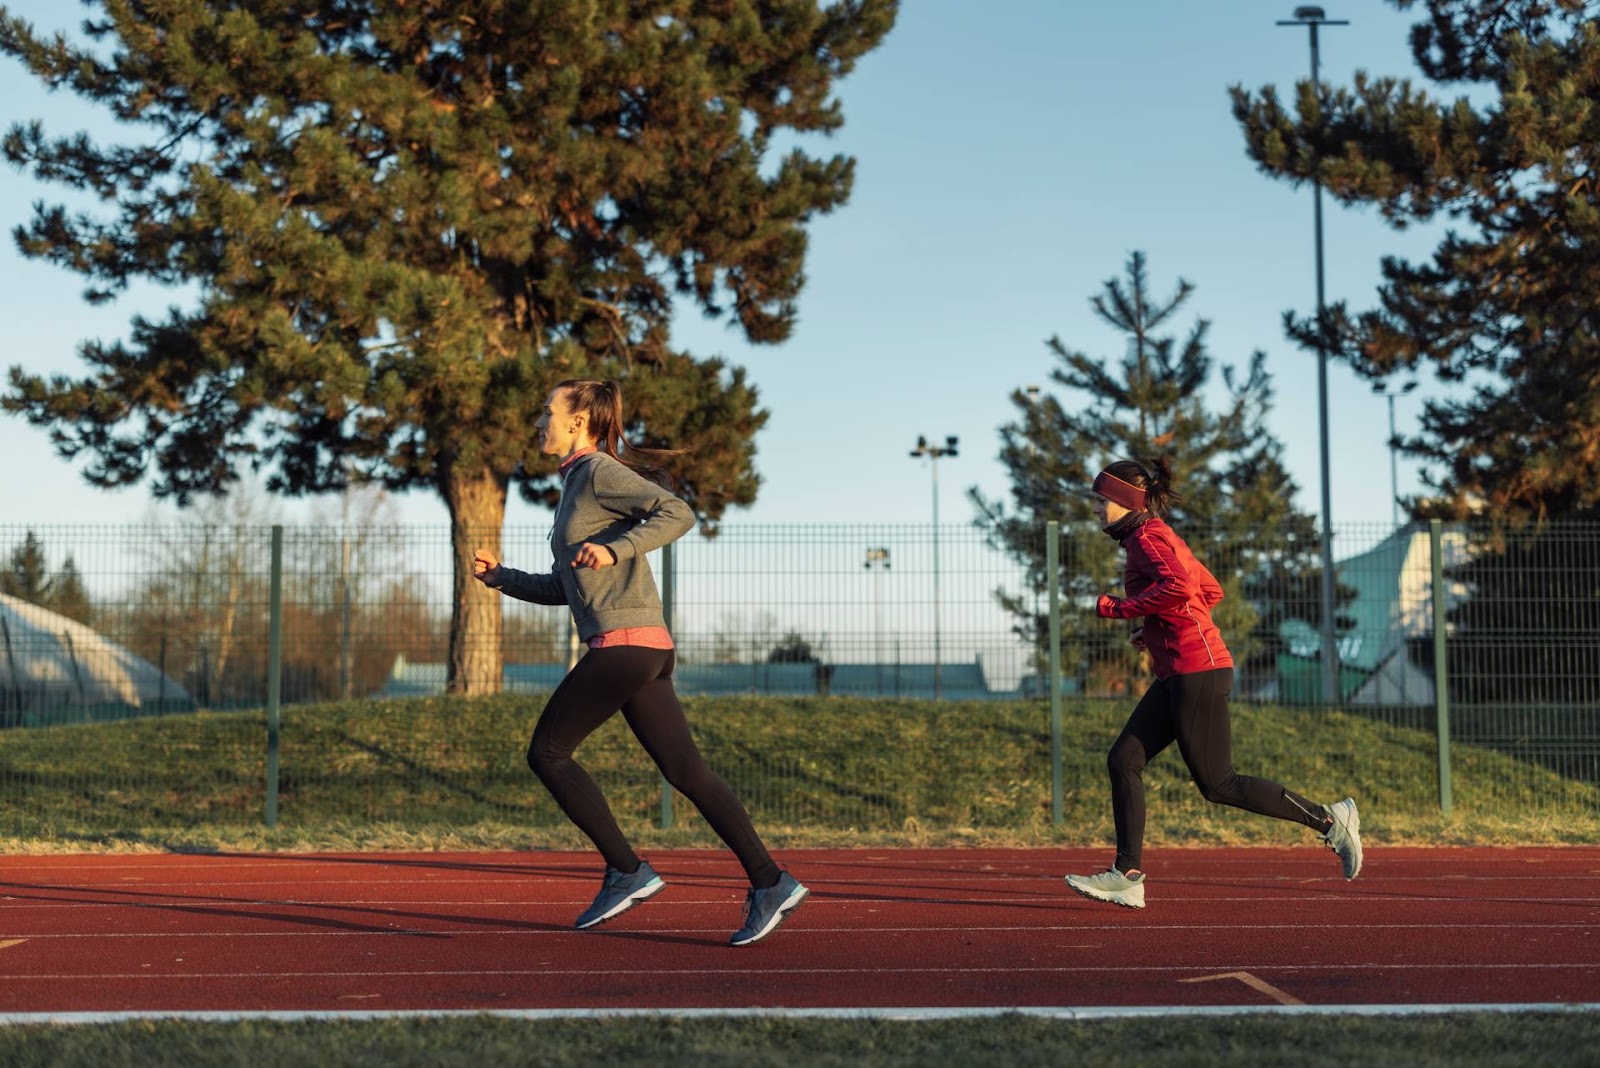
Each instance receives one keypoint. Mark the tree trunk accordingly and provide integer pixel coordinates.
(230, 604)
(477, 503)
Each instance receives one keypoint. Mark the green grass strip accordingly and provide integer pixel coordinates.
(1465, 1040)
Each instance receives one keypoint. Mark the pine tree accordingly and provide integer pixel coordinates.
(68, 597)
(1237, 514)
(405, 222)
(1508, 309)
(27, 575)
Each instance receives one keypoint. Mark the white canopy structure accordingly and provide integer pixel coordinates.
(48, 660)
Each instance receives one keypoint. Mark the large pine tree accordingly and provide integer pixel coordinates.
(406, 220)
(27, 577)
(1238, 511)
(27, 573)
(1507, 312)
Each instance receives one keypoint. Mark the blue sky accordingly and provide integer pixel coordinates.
(1010, 155)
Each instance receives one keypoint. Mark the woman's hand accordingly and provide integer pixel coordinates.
(1136, 638)
(593, 556)
(484, 564)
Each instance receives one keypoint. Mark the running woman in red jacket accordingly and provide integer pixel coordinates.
(1173, 593)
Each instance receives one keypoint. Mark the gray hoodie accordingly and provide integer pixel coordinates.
(603, 502)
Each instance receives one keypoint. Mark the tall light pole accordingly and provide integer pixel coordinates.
(1394, 448)
(933, 453)
(877, 561)
(1312, 18)
(1033, 410)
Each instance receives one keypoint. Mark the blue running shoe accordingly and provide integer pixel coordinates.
(765, 909)
(619, 893)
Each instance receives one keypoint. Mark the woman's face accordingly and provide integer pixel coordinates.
(561, 430)
(1107, 510)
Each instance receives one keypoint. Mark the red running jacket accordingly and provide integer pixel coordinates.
(1174, 593)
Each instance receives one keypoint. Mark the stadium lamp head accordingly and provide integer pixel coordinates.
(1308, 15)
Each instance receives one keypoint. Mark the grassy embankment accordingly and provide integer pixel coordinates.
(442, 773)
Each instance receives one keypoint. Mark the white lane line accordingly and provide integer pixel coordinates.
(789, 972)
(823, 897)
(1092, 1012)
(1125, 928)
(1256, 889)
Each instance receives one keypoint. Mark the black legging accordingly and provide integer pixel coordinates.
(1193, 711)
(639, 682)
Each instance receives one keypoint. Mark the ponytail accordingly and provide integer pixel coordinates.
(601, 402)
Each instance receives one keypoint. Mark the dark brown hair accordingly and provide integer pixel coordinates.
(601, 402)
(1154, 476)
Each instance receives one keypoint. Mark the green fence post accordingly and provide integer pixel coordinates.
(1052, 565)
(1441, 670)
(667, 591)
(274, 673)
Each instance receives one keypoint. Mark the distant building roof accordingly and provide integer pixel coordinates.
(1393, 583)
(47, 659)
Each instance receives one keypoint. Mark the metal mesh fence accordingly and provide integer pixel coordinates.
(164, 630)
(884, 611)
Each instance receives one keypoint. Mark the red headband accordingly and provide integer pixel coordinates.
(1113, 488)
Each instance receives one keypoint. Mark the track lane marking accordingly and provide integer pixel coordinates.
(500, 932)
(1092, 1012)
(145, 886)
(746, 973)
(1261, 986)
(820, 897)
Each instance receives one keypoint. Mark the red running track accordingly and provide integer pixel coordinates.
(882, 928)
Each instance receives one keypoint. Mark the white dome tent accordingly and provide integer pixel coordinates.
(54, 669)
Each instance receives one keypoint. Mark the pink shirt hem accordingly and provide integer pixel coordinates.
(642, 637)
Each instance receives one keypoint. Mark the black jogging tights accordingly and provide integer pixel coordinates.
(639, 682)
(1191, 710)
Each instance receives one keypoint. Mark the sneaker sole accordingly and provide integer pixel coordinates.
(1110, 899)
(789, 905)
(1353, 830)
(644, 893)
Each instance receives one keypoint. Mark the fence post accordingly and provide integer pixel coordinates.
(1052, 566)
(1441, 670)
(668, 589)
(274, 673)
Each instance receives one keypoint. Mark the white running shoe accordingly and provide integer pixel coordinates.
(1344, 836)
(1112, 886)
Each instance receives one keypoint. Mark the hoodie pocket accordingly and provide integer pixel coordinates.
(588, 585)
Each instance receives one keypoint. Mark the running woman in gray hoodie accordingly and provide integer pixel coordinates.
(610, 515)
